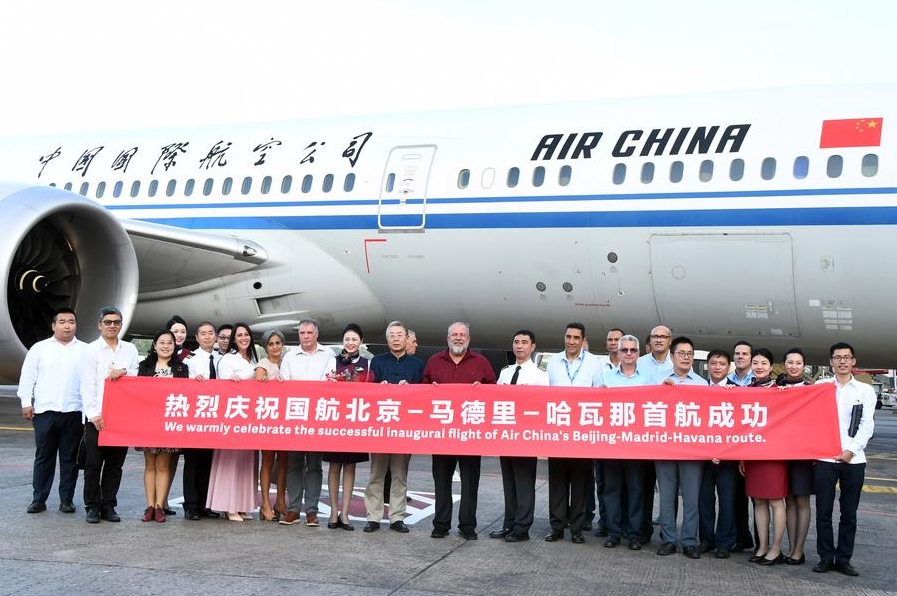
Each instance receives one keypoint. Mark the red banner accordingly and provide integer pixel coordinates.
(657, 422)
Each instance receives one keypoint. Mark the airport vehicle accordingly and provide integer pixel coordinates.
(759, 215)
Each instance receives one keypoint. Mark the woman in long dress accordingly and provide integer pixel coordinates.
(268, 369)
(232, 483)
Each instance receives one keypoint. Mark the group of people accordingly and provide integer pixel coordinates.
(61, 390)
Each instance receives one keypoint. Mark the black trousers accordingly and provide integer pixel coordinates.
(197, 469)
(102, 472)
(443, 469)
(624, 497)
(56, 433)
(850, 477)
(518, 478)
(569, 483)
(648, 500)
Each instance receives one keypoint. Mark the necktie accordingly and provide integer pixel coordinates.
(516, 375)
(212, 374)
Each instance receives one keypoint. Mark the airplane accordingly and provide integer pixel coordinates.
(762, 215)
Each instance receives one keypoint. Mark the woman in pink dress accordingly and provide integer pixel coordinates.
(232, 483)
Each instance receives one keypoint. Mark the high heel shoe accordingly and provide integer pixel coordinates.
(246, 516)
(345, 525)
(234, 517)
(798, 561)
(267, 517)
(774, 561)
(335, 525)
(756, 557)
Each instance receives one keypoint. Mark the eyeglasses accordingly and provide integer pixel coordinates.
(111, 322)
(842, 358)
(683, 354)
(660, 337)
(629, 350)
(222, 336)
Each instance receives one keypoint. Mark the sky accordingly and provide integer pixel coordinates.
(103, 65)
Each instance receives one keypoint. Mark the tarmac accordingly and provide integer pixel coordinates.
(56, 553)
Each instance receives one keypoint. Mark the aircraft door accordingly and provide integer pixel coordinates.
(403, 192)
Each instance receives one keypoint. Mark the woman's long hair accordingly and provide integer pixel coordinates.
(232, 343)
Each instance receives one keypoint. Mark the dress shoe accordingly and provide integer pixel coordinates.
(399, 526)
(110, 515)
(667, 548)
(587, 527)
(334, 525)
(798, 561)
(245, 516)
(234, 517)
(846, 569)
(517, 537)
(210, 514)
(169, 511)
(611, 542)
(93, 516)
(148, 514)
(577, 537)
(67, 507)
(371, 526)
(37, 507)
(756, 557)
(740, 546)
(692, 552)
(192, 515)
(345, 525)
(722, 553)
(635, 544)
(467, 534)
(555, 536)
(159, 514)
(500, 533)
(705, 546)
(438, 533)
(822, 566)
(289, 519)
(311, 519)
(767, 562)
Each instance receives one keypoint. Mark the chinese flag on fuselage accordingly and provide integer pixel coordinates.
(853, 132)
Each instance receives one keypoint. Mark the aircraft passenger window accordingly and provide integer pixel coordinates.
(170, 188)
(135, 188)
(488, 178)
(306, 183)
(349, 182)
(513, 177)
(538, 176)
(677, 169)
(647, 172)
(207, 187)
(266, 185)
(227, 185)
(620, 173)
(463, 178)
(116, 190)
(768, 168)
(390, 182)
(188, 187)
(736, 170)
(101, 188)
(801, 167)
(153, 186)
(53, 184)
(835, 166)
(328, 183)
(564, 176)
(68, 186)
(705, 172)
(870, 165)
(286, 184)
(84, 187)
(247, 185)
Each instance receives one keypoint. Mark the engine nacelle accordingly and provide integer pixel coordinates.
(60, 250)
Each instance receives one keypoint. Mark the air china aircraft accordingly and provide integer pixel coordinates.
(765, 215)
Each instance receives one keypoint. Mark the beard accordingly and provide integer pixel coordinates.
(458, 350)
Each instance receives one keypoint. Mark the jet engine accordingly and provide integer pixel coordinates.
(59, 250)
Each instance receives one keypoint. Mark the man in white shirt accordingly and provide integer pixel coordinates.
(107, 357)
(518, 474)
(203, 365)
(569, 478)
(847, 469)
(311, 362)
(50, 391)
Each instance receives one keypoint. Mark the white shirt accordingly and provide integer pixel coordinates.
(530, 374)
(584, 371)
(299, 365)
(198, 364)
(51, 376)
(98, 359)
(848, 395)
(232, 365)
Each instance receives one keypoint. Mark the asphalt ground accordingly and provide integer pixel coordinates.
(56, 553)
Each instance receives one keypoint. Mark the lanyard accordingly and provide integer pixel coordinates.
(575, 372)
